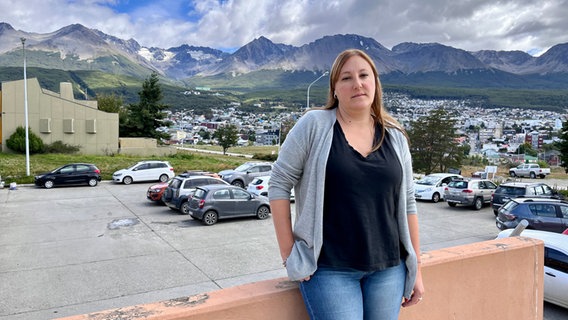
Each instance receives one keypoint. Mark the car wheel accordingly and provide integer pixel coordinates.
(184, 207)
(262, 212)
(127, 180)
(477, 204)
(164, 178)
(512, 173)
(533, 175)
(436, 197)
(48, 184)
(93, 182)
(495, 212)
(452, 204)
(210, 218)
(238, 183)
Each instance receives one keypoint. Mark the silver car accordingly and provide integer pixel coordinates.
(474, 193)
(246, 172)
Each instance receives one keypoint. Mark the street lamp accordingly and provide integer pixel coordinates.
(26, 109)
(308, 93)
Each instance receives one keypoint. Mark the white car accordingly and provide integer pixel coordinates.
(152, 170)
(259, 186)
(431, 187)
(555, 263)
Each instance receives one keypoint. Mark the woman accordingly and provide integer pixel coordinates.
(355, 243)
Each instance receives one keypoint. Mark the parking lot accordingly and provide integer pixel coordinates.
(75, 250)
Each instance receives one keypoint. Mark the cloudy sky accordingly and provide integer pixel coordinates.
(526, 25)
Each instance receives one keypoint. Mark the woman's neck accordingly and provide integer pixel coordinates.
(354, 118)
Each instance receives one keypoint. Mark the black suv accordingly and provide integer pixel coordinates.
(510, 190)
(541, 214)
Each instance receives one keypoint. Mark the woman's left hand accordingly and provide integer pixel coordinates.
(417, 293)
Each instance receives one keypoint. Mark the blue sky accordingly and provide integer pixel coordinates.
(526, 25)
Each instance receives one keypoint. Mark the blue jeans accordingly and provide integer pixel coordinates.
(349, 294)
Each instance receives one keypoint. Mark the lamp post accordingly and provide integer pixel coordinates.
(308, 93)
(26, 109)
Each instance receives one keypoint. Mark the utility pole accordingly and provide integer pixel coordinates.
(26, 109)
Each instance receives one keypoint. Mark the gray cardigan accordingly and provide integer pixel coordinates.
(301, 164)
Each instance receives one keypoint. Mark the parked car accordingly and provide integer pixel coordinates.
(555, 264)
(541, 214)
(259, 186)
(474, 193)
(70, 174)
(213, 202)
(181, 188)
(152, 170)
(156, 191)
(431, 187)
(531, 170)
(510, 190)
(243, 174)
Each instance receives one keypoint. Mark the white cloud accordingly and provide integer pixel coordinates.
(471, 25)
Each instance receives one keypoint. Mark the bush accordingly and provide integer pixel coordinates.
(17, 142)
(60, 147)
(265, 156)
(563, 192)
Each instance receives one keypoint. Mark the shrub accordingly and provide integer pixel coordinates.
(17, 142)
(60, 147)
(265, 156)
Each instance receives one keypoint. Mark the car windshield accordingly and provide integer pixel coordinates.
(514, 191)
(132, 166)
(55, 170)
(428, 180)
(244, 167)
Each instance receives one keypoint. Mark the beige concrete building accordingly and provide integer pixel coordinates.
(57, 117)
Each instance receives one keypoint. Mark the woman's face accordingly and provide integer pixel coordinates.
(355, 87)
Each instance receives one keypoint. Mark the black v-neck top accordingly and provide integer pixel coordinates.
(360, 229)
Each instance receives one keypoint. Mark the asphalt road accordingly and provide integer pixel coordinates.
(76, 250)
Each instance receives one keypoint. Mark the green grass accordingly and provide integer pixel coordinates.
(13, 166)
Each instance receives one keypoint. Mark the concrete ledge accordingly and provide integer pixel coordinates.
(497, 279)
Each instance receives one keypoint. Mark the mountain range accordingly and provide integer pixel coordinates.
(78, 47)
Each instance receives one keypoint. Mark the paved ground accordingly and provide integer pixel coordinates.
(75, 250)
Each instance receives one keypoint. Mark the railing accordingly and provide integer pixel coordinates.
(496, 279)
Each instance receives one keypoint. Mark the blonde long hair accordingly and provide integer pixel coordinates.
(380, 114)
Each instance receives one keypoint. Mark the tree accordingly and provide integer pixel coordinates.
(433, 143)
(286, 126)
(17, 141)
(148, 115)
(227, 136)
(526, 148)
(563, 146)
(109, 103)
(113, 104)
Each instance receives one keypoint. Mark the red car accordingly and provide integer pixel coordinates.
(156, 191)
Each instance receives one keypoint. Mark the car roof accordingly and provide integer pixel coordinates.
(557, 240)
(521, 184)
(219, 186)
(538, 200)
(443, 175)
(193, 177)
